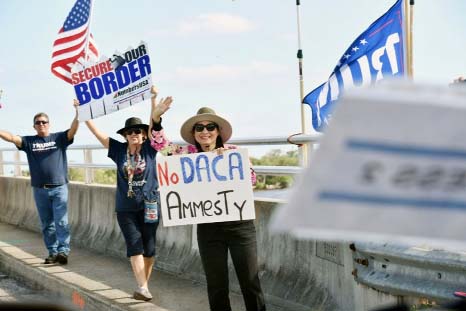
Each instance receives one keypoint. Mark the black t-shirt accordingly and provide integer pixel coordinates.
(145, 182)
(47, 158)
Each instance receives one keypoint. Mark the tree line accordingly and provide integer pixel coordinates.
(275, 157)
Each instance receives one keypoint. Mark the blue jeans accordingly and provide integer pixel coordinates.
(53, 213)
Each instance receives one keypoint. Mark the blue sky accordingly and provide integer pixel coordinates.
(236, 56)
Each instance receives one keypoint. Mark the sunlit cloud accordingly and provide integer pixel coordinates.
(219, 23)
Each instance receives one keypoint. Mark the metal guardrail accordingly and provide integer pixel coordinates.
(410, 271)
(89, 164)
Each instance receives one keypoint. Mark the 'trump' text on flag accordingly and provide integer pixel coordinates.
(378, 53)
(74, 41)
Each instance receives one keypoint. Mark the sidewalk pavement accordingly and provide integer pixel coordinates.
(93, 281)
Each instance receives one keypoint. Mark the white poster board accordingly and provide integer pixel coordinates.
(113, 83)
(390, 167)
(205, 187)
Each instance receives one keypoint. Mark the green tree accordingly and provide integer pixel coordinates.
(76, 174)
(105, 176)
(276, 157)
(101, 176)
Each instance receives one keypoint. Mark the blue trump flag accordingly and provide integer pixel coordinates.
(378, 53)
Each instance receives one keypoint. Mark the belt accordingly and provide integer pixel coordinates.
(48, 186)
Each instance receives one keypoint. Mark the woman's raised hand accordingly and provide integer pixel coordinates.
(163, 105)
(158, 109)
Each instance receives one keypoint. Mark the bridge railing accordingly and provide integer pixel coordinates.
(88, 163)
(401, 272)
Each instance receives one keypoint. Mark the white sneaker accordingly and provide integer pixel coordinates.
(142, 293)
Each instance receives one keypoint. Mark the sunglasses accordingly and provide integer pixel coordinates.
(133, 131)
(40, 122)
(210, 127)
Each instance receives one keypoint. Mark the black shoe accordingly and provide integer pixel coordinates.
(62, 258)
(51, 259)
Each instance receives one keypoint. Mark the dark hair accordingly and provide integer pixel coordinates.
(218, 143)
(40, 114)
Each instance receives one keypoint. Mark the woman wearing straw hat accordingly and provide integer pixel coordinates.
(206, 131)
(136, 196)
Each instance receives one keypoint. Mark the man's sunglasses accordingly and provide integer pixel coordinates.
(40, 122)
(210, 127)
(133, 131)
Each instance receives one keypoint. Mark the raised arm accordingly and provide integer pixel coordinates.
(157, 110)
(75, 124)
(157, 135)
(7, 136)
(102, 137)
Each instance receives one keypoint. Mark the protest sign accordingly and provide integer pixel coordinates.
(113, 83)
(391, 167)
(205, 187)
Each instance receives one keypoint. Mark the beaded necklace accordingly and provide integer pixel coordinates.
(133, 164)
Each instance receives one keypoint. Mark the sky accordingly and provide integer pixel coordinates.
(236, 56)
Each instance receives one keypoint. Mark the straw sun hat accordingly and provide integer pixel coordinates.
(205, 114)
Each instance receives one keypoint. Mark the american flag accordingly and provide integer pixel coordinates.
(70, 45)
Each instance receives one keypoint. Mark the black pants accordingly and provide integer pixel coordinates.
(139, 236)
(238, 237)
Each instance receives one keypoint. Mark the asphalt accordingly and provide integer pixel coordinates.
(94, 281)
(12, 291)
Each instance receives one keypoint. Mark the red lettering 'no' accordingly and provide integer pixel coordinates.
(162, 175)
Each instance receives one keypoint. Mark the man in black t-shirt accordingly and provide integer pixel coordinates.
(46, 154)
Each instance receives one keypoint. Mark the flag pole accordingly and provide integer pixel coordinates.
(86, 47)
(408, 19)
(86, 50)
(411, 50)
(304, 149)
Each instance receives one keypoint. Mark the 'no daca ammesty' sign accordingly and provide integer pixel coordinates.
(205, 187)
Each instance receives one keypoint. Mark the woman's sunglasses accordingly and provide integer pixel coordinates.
(133, 131)
(210, 127)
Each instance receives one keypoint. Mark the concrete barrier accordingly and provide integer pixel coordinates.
(296, 275)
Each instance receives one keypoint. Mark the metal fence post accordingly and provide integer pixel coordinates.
(303, 155)
(2, 172)
(17, 171)
(89, 172)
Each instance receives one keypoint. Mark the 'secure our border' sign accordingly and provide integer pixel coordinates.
(113, 84)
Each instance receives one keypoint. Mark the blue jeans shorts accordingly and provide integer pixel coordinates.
(139, 236)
